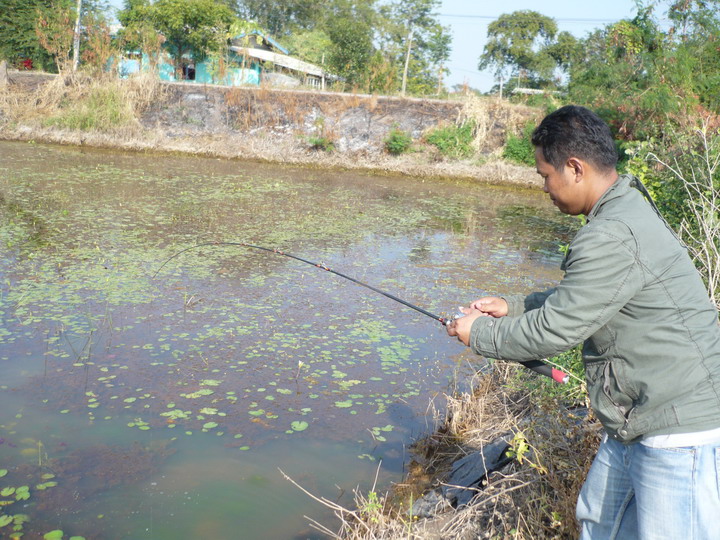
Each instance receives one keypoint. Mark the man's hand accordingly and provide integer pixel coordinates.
(487, 306)
(492, 306)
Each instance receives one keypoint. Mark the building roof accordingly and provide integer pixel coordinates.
(273, 44)
(281, 60)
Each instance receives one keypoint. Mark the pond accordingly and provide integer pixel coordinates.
(135, 405)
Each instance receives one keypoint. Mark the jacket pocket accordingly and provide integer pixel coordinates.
(611, 404)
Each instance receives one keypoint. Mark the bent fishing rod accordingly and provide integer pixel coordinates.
(535, 365)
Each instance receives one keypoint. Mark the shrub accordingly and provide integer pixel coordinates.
(398, 142)
(519, 149)
(321, 143)
(683, 177)
(453, 141)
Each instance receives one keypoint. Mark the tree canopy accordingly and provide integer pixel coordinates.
(520, 44)
(191, 28)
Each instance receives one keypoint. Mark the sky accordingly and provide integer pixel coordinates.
(468, 20)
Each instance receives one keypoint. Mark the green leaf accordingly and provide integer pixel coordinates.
(57, 534)
(210, 425)
(299, 425)
(3, 472)
(5, 520)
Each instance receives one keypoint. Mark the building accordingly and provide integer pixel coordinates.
(250, 59)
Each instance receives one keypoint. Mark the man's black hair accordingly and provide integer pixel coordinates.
(574, 131)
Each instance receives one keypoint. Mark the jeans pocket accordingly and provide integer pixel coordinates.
(717, 470)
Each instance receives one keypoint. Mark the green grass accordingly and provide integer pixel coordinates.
(102, 109)
(453, 141)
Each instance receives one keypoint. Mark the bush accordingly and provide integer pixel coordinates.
(683, 176)
(453, 141)
(519, 149)
(398, 142)
(321, 143)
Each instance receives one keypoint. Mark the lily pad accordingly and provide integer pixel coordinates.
(299, 425)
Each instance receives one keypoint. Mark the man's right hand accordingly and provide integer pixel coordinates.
(491, 306)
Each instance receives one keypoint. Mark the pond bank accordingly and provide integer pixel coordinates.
(267, 125)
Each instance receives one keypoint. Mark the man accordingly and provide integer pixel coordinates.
(651, 342)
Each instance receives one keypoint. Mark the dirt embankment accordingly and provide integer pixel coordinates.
(276, 125)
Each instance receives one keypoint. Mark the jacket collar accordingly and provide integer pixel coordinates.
(619, 188)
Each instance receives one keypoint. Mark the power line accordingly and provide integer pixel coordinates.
(495, 17)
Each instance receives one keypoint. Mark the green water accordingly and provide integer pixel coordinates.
(163, 406)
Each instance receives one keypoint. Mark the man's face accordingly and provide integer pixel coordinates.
(565, 192)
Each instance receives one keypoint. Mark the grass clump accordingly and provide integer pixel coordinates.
(398, 142)
(102, 108)
(454, 141)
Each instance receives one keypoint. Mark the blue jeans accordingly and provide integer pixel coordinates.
(636, 492)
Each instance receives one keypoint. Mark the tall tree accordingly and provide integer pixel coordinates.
(18, 19)
(281, 17)
(519, 41)
(350, 51)
(418, 45)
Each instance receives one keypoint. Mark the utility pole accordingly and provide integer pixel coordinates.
(76, 37)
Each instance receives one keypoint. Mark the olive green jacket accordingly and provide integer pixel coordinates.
(632, 295)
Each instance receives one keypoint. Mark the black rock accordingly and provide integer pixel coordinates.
(468, 472)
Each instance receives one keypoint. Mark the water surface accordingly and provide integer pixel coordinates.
(163, 406)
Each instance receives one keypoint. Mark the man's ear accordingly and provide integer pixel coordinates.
(578, 167)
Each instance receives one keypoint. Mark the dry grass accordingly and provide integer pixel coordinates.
(494, 119)
(532, 498)
(79, 102)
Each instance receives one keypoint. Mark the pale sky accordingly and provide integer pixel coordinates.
(468, 20)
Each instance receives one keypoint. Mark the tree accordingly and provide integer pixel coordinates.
(18, 20)
(350, 51)
(138, 32)
(76, 35)
(98, 45)
(643, 80)
(312, 45)
(190, 27)
(56, 34)
(439, 52)
(281, 17)
(519, 41)
(411, 34)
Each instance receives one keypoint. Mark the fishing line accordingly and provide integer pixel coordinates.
(536, 365)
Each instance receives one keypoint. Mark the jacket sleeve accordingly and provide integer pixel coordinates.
(519, 303)
(601, 274)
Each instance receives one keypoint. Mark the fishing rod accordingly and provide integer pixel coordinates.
(535, 365)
